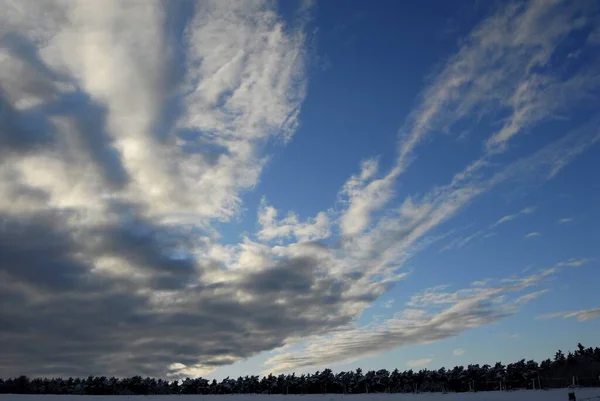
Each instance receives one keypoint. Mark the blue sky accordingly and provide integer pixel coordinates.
(222, 188)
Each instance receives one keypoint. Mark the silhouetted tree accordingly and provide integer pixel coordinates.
(583, 363)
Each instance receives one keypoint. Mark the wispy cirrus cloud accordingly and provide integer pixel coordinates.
(565, 220)
(460, 242)
(581, 315)
(532, 234)
(510, 217)
(531, 296)
(543, 275)
(430, 315)
(500, 66)
(573, 262)
(458, 352)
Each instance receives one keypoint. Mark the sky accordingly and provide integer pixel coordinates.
(225, 188)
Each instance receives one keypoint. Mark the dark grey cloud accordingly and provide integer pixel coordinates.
(38, 251)
(144, 244)
(90, 324)
(297, 277)
(58, 316)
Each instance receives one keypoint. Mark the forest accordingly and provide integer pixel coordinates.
(579, 368)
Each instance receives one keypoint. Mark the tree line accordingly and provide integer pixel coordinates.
(579, 368)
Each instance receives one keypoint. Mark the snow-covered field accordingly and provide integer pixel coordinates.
(526, 395)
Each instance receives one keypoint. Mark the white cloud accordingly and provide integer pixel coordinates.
(533, 279)
(554, 155)
(180, 370)
(542, 275)
(99, 48)
(290, 226)
(458, 352)
(567, 157)
(460, 242)
(431, 315)
(363, 194)
(510, 217)
(498, 67)
(419, 363)
(504, 220)
(532, 234)
(416, 216)
(530, 297)
(575, 262)
(565, 220)
(581, 315)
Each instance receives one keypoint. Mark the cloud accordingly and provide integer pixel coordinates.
(535, 165)
(431, 315)
(458, 352)
(510, 217)
(565, 220)
(575, 262)
(460, 242)
(530, 297)
(561, 161)
(119, 147)
(128, 135)
(419, 363)
(580, 315)
(504, 220)
(534, 279)
(363, 194)
(502, 65)
(314, 229)
(550, 157)
(532, 234)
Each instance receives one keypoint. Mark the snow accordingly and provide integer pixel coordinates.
(524, 395)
